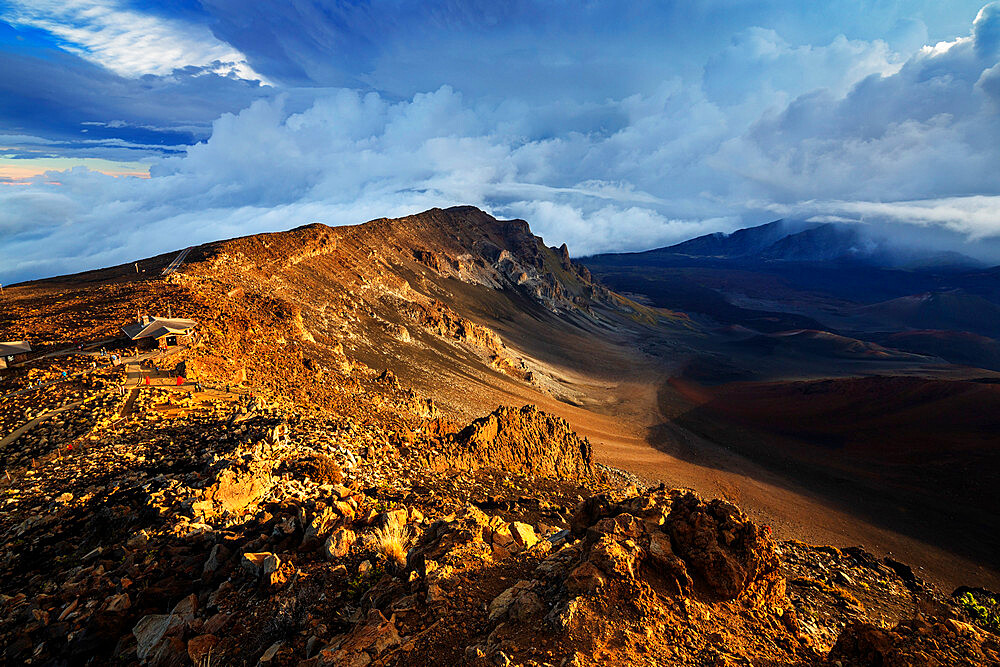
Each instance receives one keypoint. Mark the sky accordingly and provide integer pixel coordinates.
(132, 128)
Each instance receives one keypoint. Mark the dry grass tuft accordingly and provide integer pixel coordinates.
(393, 542)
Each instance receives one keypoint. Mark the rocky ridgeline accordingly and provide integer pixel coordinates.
(385, 289)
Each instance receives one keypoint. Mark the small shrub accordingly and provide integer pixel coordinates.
(318, 467)
(982, 609)
(393, 542)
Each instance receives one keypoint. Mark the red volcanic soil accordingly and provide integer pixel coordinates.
(921, 456)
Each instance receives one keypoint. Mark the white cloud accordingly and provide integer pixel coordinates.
(976, 217)
(931, 130)
(34, 212)
(128, 42)
(759, 64)
(914, 142)
(610, 228)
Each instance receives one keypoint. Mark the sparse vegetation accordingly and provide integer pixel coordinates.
(982, 609)
(359, 584)
(393, 541)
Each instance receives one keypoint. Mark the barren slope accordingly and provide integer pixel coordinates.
(324, 499)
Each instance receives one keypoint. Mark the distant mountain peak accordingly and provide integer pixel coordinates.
(741, 243)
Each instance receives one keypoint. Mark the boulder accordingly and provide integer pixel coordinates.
(216, 557)
(260, 564)
(151, 629)
(267, 658)
(153, 633)
(526, 606)
(663, 560)
(502, 603)
(396, 518)
(365, 643)
(320, 525)
(523, 534)
(241, 484)
(584, 578)
(339, 544)
(502, 537)
(728, 554)
(345, 509)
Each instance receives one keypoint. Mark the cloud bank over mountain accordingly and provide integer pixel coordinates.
(606, 144)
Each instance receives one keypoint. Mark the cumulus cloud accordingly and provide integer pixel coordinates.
(611, 228)
(928, 131)
(351, 157)
(986, 31)
(850, 130)
(760, 63)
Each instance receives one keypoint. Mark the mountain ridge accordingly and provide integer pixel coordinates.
(802, 241)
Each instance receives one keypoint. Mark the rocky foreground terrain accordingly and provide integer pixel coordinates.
(297, 501)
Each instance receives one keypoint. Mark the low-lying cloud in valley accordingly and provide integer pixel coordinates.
(854, 128)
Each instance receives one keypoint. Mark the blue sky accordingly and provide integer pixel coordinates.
(133, 128)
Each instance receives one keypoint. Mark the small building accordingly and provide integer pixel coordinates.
(13, 351)
(159, 332)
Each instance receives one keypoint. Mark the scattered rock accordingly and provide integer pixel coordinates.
(339, 544)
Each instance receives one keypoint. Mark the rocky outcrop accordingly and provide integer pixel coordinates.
(443, 321)
(729, 554)
(681, 545)
(709, 550)
(524, 440)
(240, 482)
(654, 562)
(367, 641)
(158, 636)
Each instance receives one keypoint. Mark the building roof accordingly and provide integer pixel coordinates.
(12, 347)
(155, 327)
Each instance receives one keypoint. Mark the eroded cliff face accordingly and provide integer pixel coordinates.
(461, 243)
(423, 290)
